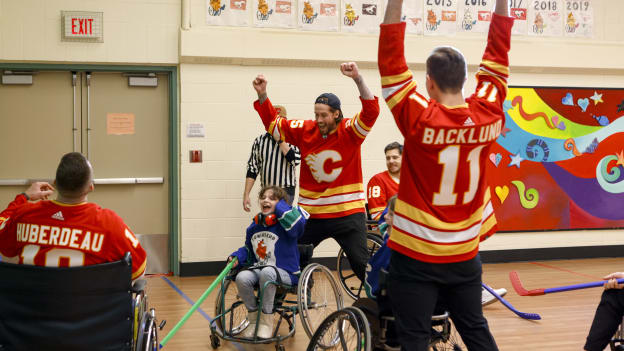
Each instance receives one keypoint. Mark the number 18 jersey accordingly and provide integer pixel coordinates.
(444, 208)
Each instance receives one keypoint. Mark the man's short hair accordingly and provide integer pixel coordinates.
(447, 67)
(73, 174)
(394, 145)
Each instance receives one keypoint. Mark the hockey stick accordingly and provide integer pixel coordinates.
(517, 284)
(525, 315)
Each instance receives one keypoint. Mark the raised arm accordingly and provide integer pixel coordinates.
(350, 69)
(361, 124)
(393, 11)
(502, 8)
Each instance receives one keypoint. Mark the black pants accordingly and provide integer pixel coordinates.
(348, 231)
(290, 192)
(414, 288)
(606, 320)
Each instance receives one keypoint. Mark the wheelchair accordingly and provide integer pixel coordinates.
(317, 295)
(346, 329)
(76, 308)
(617, 343)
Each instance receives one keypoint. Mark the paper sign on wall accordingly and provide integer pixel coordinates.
(274, 13)
(120, 123)
(412, 15)
(544, 18)
(440, 17)
(319, 15)
(474, 16)
(579, 19)
(361, 16)
(518, 10)
(195, 130)
(227, 12)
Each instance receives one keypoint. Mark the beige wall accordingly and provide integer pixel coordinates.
(135, 32)
(218, 64)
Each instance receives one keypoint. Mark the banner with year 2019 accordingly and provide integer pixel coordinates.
(544, 18)
(579, 19)
(440, 17)
(518, 10)
(474, 16)
(227, 12)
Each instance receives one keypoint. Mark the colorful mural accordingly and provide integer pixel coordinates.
(559, 161)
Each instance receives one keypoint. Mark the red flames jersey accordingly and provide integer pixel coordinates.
(381, 187)
(330, 183)
(444, 206)
(48, 233)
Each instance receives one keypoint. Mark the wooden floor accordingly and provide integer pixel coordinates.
(566, 316)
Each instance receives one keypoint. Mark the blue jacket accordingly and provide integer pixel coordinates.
(275, 245)
(380, 260)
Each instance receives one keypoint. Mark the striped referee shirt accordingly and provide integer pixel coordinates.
(268, 161)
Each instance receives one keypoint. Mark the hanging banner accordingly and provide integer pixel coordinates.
(320, 15)
(474, 16)
(440, 17)
(412, 15)
(227, 13)
(579, 19)
(545, 18)
(518, 10)
(274, 13)
(361, 16)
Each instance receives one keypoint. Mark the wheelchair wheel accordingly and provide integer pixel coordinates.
(339, 331)
(148, 333)
(228, 298)
(318, 295)
(348, 280)
(444, 337)
(139, 306)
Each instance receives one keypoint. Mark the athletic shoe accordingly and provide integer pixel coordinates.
(487, 298)
(248, 333)
(265, 326)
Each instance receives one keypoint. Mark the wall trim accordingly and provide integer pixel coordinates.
(190, 269)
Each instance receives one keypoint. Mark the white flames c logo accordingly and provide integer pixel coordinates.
(317, 161)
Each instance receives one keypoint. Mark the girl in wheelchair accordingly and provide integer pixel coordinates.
(270, 254)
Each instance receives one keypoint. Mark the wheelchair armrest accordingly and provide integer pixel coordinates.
(138, 286)
(305, 254)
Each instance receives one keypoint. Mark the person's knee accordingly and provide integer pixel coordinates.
(244, 278)
(268, 274)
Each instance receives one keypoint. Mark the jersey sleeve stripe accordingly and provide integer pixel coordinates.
(502, 81)
(358, 130)
(397, 78)
(496, 67)
(361, 124)
(141, 269)
(397, 97)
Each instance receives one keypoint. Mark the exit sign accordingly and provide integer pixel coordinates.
(82, 26)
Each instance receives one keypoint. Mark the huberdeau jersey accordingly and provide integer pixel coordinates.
(444, 208)
(330, 181)
(381, 187)
(49, 233)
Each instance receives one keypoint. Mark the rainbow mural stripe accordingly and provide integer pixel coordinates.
(559, 162)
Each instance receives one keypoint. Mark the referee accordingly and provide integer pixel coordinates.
(275, 162)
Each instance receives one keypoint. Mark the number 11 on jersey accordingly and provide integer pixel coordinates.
(450, 161)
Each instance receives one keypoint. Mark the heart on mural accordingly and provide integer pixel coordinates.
(583, 103)
(502, 192)
(568, 100)
(555, 120)
(495, 158)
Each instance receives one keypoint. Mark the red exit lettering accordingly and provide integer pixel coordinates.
(82, 26)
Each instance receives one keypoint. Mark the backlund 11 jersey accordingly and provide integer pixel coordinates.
(380, 188)
(330, 182)
(444, 206)
(48, 233)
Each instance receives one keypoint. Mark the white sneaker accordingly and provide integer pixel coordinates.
(252, 317)
(265, 326)
(487, 298)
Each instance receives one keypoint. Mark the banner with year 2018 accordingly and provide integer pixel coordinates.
(274, 13)
(579, 19)
(227, 12)
(474, 16)
(360, 16)
(320, 15)
(545, 18)
(518, 10)
(440, 17)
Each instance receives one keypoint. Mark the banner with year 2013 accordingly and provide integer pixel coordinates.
(440, 17)
(474, 16)
(518, 10)
(579, 19)
(544, 18)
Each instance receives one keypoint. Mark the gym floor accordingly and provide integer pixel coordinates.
(566, 316)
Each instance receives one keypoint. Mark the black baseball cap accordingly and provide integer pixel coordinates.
(329, 99)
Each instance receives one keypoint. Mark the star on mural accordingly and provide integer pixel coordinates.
(515, 160)
(505, 131)
(621, 107)
(597, 98)
(620, 156)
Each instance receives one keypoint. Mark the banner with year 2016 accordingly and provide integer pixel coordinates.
(227, 12)
(545, 18)
(579, 19)
(518, 10)
(474, 16)
(440, 17)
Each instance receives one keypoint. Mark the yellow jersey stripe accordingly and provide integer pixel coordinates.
(432, 249)
(488, 224)
(388, 80)
(333, 208)
(140, 270)
(361, 124)
(356, 131)
(504, 70)
(332, 191)
(400, 95)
